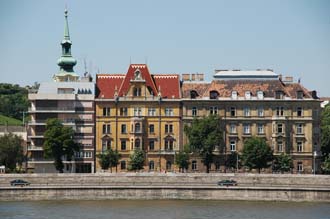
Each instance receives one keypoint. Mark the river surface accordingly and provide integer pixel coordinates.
(162, 209)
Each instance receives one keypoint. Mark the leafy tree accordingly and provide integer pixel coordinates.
(325, 131)
(136, 160)
(256, 153)
(182, 160)
(283, 163)
(14, 100)
(59, 143)
(11, 151)
(104, 160)
(231, 161)
(326, 165)
(114, 158)
(204, 134)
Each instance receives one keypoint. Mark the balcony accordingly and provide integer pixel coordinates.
(51, 110)
(83, 135)
(69, 122)
(35, 148)
(36, 135)
(167, 152)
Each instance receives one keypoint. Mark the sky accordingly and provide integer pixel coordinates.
(292, 37)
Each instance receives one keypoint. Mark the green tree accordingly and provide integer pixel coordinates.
(283, 163)
(203, 135)
(136, 160)
(104, 160)
(59, 143)
(256, 153)
(325, 131)
(114, 158)
(11, 151)
(326, 165)
(182, 160)
(231, 161)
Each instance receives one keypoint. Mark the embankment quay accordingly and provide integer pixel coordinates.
(188, 186)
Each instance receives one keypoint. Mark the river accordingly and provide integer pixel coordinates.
(163, 209)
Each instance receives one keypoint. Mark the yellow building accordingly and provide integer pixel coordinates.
(139, 110)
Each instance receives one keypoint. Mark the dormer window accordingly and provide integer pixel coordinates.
(234, 95)
(247, 95)
(214, 94)
(260, 95)
(300, 94)
(279, 94)
(137, 75)
(193, 94)
(137, 92)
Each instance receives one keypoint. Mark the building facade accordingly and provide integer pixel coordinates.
(71, 100)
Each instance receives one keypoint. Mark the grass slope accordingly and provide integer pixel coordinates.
(11, 121)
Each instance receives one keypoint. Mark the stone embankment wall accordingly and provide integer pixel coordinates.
(98, 186)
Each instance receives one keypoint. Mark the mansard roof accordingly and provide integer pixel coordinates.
(167, 85)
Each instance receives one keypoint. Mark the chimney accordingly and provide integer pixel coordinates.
(200, 77)
(185, 77)
(193, 77)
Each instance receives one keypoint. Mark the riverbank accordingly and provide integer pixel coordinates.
(145, 186)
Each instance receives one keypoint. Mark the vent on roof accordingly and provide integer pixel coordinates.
(234, 95)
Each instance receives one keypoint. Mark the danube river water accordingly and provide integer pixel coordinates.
(162, 209)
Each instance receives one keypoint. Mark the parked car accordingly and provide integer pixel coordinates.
(227, 182)
(19, 182)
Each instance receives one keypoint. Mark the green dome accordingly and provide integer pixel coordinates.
(65, 61)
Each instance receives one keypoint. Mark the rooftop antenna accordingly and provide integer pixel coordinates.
(85, 66)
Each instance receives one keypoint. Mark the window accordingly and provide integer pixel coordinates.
(137, 128)
(151, 145)
(300, 167)
(168, 144)
(123, 145)
(247, 95)
(194, 111)
(299, 111)
(137, 92)
(260, 111)
(279, 128)
(232, 111)
(168, 165)
(193, 94)
(246, 111)
(261, 129)
(151, 128)
(232, 145)
(213, 110)
(246, 128)
(300, 94)
(280, 146)
(106, 129)
(151, 165)
(123, 111)
(122, 165)
(214, 94)
(123, 129)
(106, 111)
(279, 111)
(279, 95)
(137, 111)
(260, 95)
(299, 146)
(194, 165)
(137, 143)
(233, 129)
(168, 111)
(234, 95)
(300, 128)
(168, 128)
(151, 111)
(106, 144)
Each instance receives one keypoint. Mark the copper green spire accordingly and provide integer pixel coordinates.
(66, 62)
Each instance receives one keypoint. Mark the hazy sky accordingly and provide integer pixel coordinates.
(172, 36)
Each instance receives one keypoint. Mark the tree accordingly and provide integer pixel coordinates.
(283, 163)
(114, 158)
(104, 160)
(11, 151)
(231, 161)
(256, 153)
(326, 165)
(182, 160)
(325, 131)
(59, 143)
(136, 160)
(204, 135)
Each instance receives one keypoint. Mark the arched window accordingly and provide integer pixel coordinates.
(151, 165)
(137, 143)
(214, 94)
(168, 165)
(137, 128)
(193, 94)
(234, 95)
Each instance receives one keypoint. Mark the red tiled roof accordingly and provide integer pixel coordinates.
(168, 85)
(107, 84)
